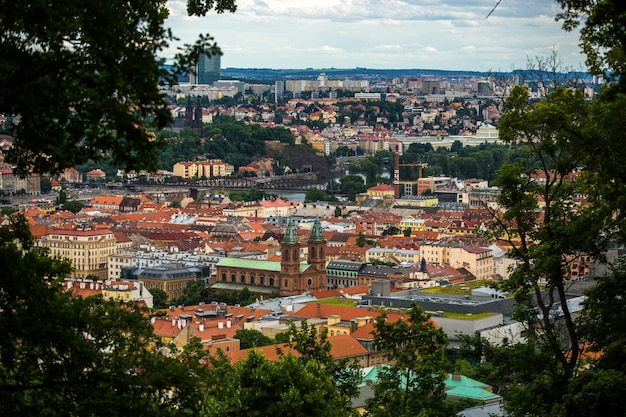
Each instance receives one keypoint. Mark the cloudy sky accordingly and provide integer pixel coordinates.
(427, 34)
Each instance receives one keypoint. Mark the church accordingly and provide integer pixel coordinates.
(289, 276)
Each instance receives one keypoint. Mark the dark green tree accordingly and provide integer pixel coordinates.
(61, 355)
(45, 184)
(159, 298)
(73, 205)
(84, 78)
(315, 194)
(414, 384)
(251, 339)
(351, 185)
(545, 240)
(314, 345)
(361, 239)
(258, 387)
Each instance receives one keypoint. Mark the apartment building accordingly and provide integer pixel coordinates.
(478, 261)
(88, 250)
(203, 169)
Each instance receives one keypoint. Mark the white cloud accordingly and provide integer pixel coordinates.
(450, 34)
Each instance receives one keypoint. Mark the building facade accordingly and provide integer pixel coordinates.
(289, 276)
(208, 69)
(88, 250)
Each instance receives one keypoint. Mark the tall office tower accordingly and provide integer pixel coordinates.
(208, 69)
(279, 90)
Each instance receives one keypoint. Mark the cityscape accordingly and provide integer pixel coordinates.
(183, 236)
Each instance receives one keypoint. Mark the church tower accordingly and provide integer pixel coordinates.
(290, 251)
(317, 247)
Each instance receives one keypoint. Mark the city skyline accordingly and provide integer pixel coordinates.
(445, 35)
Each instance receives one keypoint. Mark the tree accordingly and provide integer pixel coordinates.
(603, 35)
(414, 384)
(351, 185)
(251, 339)
(62, 355)
(361, 239)
(545, 240)
(258, 387)
(84, 78)
(392, 231)
(159, 298)
(62, 197)
(45, 184)
(73, 205)
(315, 194)
(313, 344)
(603, 331)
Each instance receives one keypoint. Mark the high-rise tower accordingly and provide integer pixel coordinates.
(208, 69)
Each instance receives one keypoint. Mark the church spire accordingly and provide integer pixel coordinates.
(291, 237)
(317, 234)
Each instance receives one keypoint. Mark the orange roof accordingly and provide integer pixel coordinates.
(109, 200)
(381, 187)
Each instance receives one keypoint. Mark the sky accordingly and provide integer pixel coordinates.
(382, 34)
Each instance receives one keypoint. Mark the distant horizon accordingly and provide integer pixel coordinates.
(447, 35)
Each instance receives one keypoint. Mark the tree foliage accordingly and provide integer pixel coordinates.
(258, 387)
(413, 385)
(227, 139)
(313, 344)
(62, 355)
(82, 80)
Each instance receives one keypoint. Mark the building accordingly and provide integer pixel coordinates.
(342, 274)
(203, 169)
(11, 184)
(380, 191)
(207, 70)
(127, 291)
(171, 278)
(96, 175)
(476, 260)
(279, 90)
(289, 276)
(88, 250)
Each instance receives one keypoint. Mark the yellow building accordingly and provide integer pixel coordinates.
(478, 261)
(380, 191)
(88, 250)
(203, 169)
(416, 225)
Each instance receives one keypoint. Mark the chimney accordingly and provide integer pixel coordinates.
(319, 310)
(396, 174)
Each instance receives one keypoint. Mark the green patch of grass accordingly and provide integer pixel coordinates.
(465, 316)
(459, 289)
(342, 302)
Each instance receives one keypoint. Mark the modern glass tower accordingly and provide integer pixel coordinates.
(208, 69)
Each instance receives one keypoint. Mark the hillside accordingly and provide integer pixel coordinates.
(301, 157)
